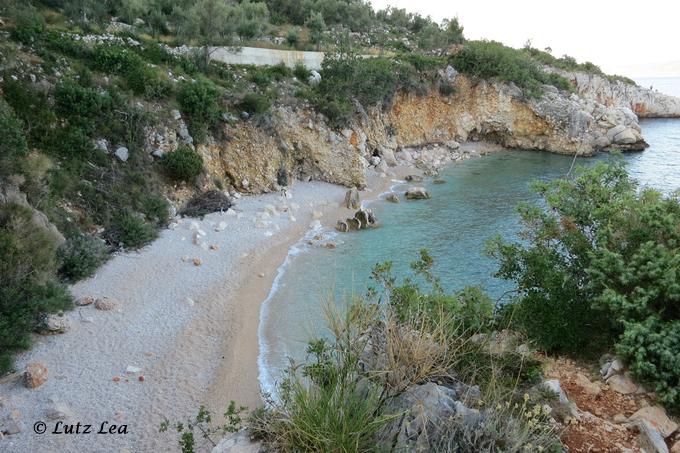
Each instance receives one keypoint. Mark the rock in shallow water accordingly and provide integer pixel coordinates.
(416, 193)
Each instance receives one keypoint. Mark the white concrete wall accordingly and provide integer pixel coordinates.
(266, 57)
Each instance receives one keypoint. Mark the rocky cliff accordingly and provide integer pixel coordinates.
(263, 154)
(644, 102)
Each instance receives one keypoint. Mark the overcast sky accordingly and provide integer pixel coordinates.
(637, 39)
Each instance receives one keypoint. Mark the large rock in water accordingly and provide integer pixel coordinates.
(416, 193)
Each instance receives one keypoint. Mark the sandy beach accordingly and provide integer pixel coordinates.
(190, 330)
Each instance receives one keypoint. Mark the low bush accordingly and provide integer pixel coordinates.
(27, 286)
(183, 164)
(301, 72)
(80, 257)
(483, 60)
(205, 203)
(200, 101)
(13, 146)
(254, 103)
(131, 231)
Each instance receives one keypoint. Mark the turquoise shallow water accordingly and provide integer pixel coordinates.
(477, 202)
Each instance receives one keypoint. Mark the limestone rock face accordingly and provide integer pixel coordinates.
(294, 142)
(644, 102)
(556, 122)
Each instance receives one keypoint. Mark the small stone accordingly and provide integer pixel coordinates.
(657, 417)
(10, 427)
(414, 178)
(261, 274)
(245, 184)
(122, 153)
(650, 439)
(54, 324)
(392, 198)
(214, 247)
(58, 411)
(107, 304)
(141, 378)
(116, 379)
(439, 181)
(189, 301)
(186, 258)
(622, 384)
(222, 225)
(35, 375)
(619, 418)
(197, 262)
(83, 301)
(589, 387)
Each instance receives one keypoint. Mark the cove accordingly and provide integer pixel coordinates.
(477, 201)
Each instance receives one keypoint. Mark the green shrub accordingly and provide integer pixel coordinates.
(80, 257)
(13, 146)
(483, 60)
(131, 231)
(81, 105)
(183, 164)
(651, 348)
(600, 265)
(301, 72)
(254, 103)
(29, 24)
(22, 307)
(200, 101)
(27, 287)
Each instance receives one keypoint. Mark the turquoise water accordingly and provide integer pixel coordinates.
(477, 202)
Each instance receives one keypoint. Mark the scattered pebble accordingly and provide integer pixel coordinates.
(116, 379)
(214, 247)
(198, 261)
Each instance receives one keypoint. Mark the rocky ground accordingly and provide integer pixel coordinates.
(614, 414)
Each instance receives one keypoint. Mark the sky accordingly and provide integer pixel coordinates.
(636, 39)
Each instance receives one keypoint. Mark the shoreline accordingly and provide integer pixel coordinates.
(192, 331)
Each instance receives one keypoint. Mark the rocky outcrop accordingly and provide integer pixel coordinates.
(644, 102)
(558, 122)
(265, 153)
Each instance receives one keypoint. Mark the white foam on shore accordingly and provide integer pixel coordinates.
(265, 375)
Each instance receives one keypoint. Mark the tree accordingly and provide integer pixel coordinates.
(248, 19)
(207, 22)
(317, 27)
(454, 31)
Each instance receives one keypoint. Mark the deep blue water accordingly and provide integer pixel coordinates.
(478, 201)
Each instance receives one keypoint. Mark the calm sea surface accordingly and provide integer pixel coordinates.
(477, 202)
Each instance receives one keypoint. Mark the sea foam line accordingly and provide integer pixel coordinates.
(267, 381)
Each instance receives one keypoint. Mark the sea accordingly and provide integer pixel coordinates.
(477, 202)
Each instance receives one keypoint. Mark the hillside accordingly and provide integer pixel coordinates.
(119, 120)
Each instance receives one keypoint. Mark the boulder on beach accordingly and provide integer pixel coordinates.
(414, 178)
(352, 199)
(417, 193)
(35, 375)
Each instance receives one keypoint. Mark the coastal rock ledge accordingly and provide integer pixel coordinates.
(294, 142)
